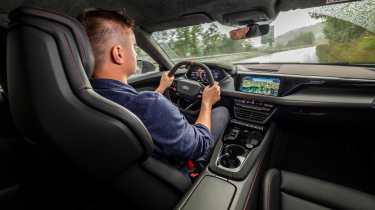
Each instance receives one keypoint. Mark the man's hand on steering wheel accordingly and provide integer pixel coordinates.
(191, 90)
(211, 94)
(165, 82)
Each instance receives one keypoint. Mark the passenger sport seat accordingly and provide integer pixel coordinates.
(289, 191)
(52, 102)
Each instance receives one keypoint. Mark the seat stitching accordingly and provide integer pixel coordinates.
(269, 193)
(253, 183)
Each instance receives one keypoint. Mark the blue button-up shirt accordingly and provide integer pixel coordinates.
(174, 137)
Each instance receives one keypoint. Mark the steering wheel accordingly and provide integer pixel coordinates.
(190, 89)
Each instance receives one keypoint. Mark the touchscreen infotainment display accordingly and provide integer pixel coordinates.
(260, 85)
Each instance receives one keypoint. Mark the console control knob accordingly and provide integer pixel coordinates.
(250, 144)
(253, 139)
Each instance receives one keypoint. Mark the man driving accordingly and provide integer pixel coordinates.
(175, 139)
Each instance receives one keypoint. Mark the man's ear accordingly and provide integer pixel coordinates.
(117, 54)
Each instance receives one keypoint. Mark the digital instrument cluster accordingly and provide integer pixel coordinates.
(199, 75)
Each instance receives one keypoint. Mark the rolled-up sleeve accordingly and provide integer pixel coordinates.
(173, 135)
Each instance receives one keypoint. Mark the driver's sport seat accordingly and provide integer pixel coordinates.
(52, 102)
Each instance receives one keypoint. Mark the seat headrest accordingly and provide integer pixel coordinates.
(76, 28)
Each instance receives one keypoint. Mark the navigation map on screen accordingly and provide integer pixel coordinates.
(260, 85)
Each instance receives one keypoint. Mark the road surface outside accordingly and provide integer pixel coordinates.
(303, 55)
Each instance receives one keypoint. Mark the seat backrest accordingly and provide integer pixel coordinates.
(3, 86)
(49, 63)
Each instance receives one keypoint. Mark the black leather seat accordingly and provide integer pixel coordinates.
(52, 103)
(289, 191)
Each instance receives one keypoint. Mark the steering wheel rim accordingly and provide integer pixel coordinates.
(195, 85)
(209, 75)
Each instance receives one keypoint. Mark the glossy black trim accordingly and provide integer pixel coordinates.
(301, 99)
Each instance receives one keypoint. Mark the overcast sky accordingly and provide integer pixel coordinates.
(287, 21)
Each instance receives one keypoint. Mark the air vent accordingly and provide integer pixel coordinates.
(250, 115)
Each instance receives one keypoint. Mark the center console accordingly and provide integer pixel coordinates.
(233, 174)
(237, 144)
(234, 156)
(232, 177)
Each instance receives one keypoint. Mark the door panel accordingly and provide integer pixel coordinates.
(145, 82)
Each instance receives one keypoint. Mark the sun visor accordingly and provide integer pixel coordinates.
(244, 18)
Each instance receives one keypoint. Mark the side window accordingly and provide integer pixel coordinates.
(145, 63)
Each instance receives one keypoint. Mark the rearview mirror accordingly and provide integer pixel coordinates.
(249, 31)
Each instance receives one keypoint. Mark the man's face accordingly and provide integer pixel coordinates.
(130, 55)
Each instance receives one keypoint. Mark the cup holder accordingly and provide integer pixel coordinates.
(229, 161)
(235, 150)
(230, 156)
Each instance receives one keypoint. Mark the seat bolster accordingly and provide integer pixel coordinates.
(167, 174)
(325, 193)
(271, 190)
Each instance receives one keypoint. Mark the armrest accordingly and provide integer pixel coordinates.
(168, 174)
(210, 193)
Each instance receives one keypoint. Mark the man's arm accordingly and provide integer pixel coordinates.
(210, 96)
(165, 82)
(175, 136)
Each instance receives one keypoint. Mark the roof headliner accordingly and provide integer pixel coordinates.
(154, 15)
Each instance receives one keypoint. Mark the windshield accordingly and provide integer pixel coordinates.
(342, 33)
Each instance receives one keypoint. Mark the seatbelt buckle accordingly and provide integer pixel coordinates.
(190, 165)
(192, 168)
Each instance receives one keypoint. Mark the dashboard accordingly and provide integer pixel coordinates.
(306, 85)
(257, 92)
(296, 85)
